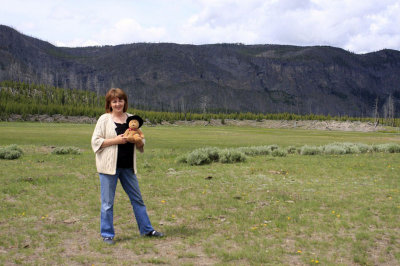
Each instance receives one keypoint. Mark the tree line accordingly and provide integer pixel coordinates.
(30, 99)
(24, 99)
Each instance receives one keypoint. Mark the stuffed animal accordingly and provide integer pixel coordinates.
(133, 133)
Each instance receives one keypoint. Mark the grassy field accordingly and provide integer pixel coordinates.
(293, 210)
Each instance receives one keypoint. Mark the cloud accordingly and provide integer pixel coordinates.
(350, 24)
(127, 30)
(122, 31)
(77, 43)
(359, 26)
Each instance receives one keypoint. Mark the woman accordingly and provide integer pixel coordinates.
(116, 158)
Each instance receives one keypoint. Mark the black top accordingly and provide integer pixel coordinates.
(125, 151)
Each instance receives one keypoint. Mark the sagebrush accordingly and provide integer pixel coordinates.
(10, 152)
(66, 150)
(212, 154)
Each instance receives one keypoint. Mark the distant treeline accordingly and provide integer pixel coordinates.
(22, 98)
(29, 99)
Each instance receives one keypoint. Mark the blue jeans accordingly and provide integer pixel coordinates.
(129, 182)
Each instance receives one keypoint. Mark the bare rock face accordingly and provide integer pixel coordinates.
(214, 78)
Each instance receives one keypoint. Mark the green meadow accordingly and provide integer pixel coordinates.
(292, 210)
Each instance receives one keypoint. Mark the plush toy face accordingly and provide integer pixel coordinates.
(134, 124)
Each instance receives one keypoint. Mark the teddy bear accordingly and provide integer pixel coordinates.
(133, 133)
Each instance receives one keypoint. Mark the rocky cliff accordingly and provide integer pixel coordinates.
(217, 77)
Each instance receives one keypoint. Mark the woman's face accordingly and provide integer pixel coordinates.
(117, 105)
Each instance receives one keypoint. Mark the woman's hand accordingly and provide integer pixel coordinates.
(120, 139)
(130, 139)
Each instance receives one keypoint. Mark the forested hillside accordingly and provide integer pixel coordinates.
(29, 99)
(214, 78)
(22, 98)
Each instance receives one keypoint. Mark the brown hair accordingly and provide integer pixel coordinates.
(115, 93)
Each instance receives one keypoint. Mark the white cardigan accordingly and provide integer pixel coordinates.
(106, 158)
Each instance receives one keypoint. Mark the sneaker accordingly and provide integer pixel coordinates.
(108, 240)
(154, 233)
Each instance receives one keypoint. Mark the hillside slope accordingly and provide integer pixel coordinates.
(217, 77)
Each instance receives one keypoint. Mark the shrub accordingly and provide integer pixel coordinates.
(334, 148)
(389, 147)
(15, 148)
(383, 147)
(345, 148)
(279, 153)
(256, 150)
(11, 155)
(181, 159)
(393, 148)
(251, 151)
(10, 152)
(310, 150)
(212, 153)
(231, 156)
(273, 147)
(291, 149)
(66, 150)
(363, 148)
(198, 157)
(351, 147)
(380, 148)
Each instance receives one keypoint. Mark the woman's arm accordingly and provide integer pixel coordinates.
(98, 136)
(120, 139)
(99, 140)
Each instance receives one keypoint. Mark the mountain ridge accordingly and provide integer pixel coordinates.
(212, 77)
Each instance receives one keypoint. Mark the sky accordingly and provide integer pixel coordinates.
(359, 26)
